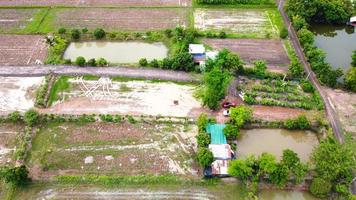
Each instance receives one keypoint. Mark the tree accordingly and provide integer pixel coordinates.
(203, 139)
(240, 168)
(306, 37)
(31, 117)
(216, 82)
(75, 34)
(320, 187)
(260, 67)
(231, 131)
(92, 62)
(283, 33)
(62, 30)
(295, 68)
(240, 115)
(205, 157)
(290, 158)
(280, 175)
(183, 61)
(143, 62)
(85, 30)
(299, 22)
(267, 163)
(353, 63)
(80, 61)
(333, 160)
(350, 79)
(102, 62)
(99, 33)
(202, 122)
(17, 176)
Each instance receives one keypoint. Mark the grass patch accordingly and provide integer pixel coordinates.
(37, 21)
(61, 85)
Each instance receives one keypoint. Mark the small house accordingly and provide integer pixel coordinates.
(198, 52)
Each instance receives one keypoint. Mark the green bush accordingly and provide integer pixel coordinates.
(205, 157)
(92, 62)
(68, 61)
(143, 62)
(17, 176)
(251, 2)
(222, 34)
(14, 117)
(353, 62)
(62, 30)
(131, 120)
(168, 33)
(301, 122)
(202, 122)
(320, 187)
(231, 131)
(102, 62)
(31, 117)
(85, 30)
(203, 139)
(154, 63)
(307, 86)
(80, 61)
(350, 79)
(75, 33)
(99, 33)
(283, 33)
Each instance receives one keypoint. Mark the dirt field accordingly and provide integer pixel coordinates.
(143, 3)
(14, 20)
(119, 19)
(22, 49)
(18, 93)
(272, 51)
(132, 98)
(8, 134)
(108, 148)
(239, 21)
(345, 104)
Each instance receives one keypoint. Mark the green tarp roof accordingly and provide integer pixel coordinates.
(216, 133)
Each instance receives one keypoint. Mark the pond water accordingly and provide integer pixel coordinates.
(337, 41)
(116, 52)
(282, 195)
(274, 141)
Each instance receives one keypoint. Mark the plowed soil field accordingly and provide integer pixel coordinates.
(119, 19)
(272, 51)
(98, 3)
(22, 49)
(13, 20)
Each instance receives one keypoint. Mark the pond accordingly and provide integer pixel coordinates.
(337, 41)
(274, 141)
(283, 194)
(116, 52)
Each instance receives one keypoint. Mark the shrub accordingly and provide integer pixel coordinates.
(102, 62)
(14, 117)
(92, 62)
(353, 62)
(131, 120)
(307, 86)
(168, 33)
(299, 22)
(205, 157)
(85, 30)
(31, 117)
(80, 61)
(231, 131)
(320, 187)
(99, 33)
(202, 122)
(62, 30)
(68, 61)
(154, 63)
(350, 79)
(143, 62)
(306, 37)
(241, 169)
(203, 139)
(75, 34)
(300, 122)
(283, 33)
(222, 34)
(17, 176)
(260, 68)
(240, 115)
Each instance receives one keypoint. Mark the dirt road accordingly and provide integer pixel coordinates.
(153, 74)
(330, 111)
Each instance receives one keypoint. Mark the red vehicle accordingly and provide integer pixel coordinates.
(227, 104)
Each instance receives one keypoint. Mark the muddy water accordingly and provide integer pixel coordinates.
(274, 141)
(282, 195)
(337, 41)
(116, 52)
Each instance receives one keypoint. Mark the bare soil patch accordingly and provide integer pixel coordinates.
(345, 105)
(18, 93)
(8, 142)
(118, 149)
(239, 21)
(99, 3)
(272, 51)
(13, 20)
(121, 19)
(132, 97)
(275, 112)
(22, 49)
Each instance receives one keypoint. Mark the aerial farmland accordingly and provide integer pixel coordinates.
(171, 99)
